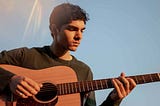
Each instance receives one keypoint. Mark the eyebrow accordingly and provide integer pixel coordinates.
(71, 26)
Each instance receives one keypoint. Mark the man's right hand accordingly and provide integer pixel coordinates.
(24, 86)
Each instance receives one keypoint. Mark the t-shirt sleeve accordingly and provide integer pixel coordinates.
(11, 57)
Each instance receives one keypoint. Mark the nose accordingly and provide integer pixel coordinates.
(78, 35)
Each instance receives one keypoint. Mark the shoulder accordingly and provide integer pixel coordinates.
(24, 53)
(20, 50)
(28, 51)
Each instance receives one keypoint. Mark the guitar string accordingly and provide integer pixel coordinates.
(80, 86)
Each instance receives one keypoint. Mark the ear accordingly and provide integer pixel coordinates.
(53, 29)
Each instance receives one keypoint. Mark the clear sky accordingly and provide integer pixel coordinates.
(121, 36)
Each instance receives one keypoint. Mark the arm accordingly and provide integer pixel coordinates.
(19, 85)
(5, 77)
(24, 86)
(90, 97)
(122, 87)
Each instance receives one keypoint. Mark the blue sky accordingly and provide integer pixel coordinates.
(121, 36)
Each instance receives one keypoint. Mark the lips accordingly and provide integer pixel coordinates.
(76, 43)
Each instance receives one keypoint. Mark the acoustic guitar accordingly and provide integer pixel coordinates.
(58, 90)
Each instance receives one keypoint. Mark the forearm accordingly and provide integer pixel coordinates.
(5, 77)
(110, 102)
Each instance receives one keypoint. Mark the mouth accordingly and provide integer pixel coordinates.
(76, 44)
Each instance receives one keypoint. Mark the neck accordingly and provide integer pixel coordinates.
(60, 52)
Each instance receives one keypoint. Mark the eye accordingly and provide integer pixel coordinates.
(82, 30)
(71, 28)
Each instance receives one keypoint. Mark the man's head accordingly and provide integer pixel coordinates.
(67, 23)
(65, 13)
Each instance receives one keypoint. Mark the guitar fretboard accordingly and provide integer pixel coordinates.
(85, 86)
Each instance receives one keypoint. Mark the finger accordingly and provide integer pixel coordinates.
(126, 84)
(122, 74)
(28, 87)
(33, 84)
(119, 88)
(20, 90)
(132, 83)
(21, 94)
(15, 80)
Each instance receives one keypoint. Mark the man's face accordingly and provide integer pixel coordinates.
(70, 35)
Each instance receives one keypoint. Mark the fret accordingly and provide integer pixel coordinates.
(155, 77)
(150, 77)
(65, 88)
(135, 79)
(71, 87)
(79, 87)
(143, 79)
(106, 83)
(147, 78)
(140, 79)
(59, 87)
(87, 86)
(109, 82)
(83, 86)
(101, 84)
(92, 85)
(74, 87)
(158, 74)
(68, 86)
(96, 84)
(62, 89)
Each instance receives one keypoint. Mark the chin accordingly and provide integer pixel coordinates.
(73, 49)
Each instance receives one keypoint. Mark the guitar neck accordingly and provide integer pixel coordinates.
(86, 86)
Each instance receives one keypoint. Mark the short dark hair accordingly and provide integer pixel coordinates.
(65, 13)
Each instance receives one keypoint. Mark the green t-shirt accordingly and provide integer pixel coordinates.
(42, 57)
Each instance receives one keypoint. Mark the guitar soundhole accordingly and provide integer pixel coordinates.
(47, 93)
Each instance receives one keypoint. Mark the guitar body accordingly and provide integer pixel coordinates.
(53, 75)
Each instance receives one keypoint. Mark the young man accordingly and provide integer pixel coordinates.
(67, 23)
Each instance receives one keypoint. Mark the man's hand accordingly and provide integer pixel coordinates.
(23, 86)
(122, 87)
